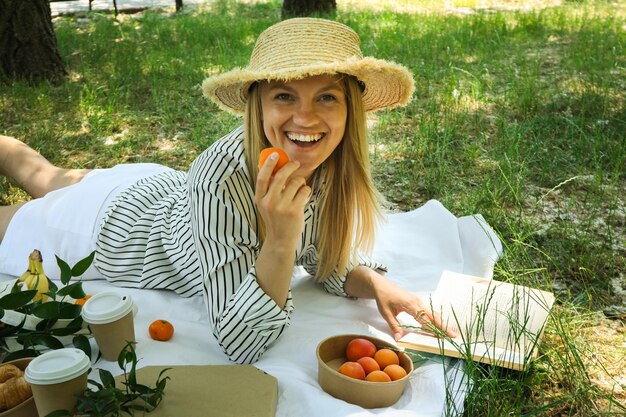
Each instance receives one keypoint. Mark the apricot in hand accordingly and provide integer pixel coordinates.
(282, 158)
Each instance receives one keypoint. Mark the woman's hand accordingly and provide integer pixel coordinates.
(280, 199)
(391, 300)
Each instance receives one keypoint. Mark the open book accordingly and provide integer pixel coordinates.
(495, 322)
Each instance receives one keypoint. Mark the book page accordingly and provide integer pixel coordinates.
(489, 311)
(482, 352)
(492, 318)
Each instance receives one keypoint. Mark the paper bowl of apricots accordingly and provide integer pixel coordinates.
(362, 370)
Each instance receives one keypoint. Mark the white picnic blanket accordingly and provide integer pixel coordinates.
(416, 246)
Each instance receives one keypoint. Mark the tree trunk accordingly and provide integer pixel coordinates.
(299, 8)
(28, 44)
(179, 5)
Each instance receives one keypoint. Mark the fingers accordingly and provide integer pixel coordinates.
(283, 185)
(265, 174)
(432, 321)
(296, 188)
(389, 314)
(394, 325)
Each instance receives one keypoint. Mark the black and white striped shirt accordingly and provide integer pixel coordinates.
(197, 233)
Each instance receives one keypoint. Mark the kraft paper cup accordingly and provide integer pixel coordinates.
(110, 317)
(57, 377)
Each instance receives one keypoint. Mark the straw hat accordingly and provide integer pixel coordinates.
(302, 47)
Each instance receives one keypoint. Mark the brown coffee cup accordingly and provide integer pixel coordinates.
(56, 378)
(110, 318)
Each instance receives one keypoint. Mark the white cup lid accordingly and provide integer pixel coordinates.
(57, 366)
(106, 307)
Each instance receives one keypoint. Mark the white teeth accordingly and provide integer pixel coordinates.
(304, 138)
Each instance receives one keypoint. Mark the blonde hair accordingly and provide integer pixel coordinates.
(350, 204)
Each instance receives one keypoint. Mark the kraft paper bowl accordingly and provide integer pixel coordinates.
(27, 407)
(331, 353)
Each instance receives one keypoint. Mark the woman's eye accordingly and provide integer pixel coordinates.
(328, 97)
(282, 96)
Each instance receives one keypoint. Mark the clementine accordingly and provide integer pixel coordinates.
(386, 357)
(161, 330)
(282, 158)
(352, 369)
(395, 372)
(81, 301)
(358, 348)
(377, 376)
(369, 364)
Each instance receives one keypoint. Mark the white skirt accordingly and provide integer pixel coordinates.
(66, 222)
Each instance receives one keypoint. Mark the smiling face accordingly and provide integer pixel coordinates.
(305, 118)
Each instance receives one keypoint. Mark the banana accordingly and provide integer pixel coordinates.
(35, 278)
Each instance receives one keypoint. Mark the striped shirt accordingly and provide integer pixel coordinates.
(196, 233)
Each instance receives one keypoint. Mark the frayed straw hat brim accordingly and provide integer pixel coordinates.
(303, 47)
(387, 84)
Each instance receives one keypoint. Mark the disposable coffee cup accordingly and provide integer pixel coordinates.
(110, 317)
(56, 378)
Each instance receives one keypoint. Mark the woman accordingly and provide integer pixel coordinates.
(227, 228)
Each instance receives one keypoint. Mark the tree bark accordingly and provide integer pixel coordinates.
(179, 5)
(300, 8)
(28, 44)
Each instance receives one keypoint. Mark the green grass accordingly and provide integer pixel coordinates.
(518, 115)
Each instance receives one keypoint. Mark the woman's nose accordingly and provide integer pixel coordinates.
(305, 114)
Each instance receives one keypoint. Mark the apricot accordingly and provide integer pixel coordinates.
(386, 357)
(378, 376)
(282, 158)
(369, 364)
(358, 348)
(352, 369)
(395, 372)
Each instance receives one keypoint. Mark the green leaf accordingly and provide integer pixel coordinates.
(95, 384)
(69, 311)
(163, 371)
(142, 389)
(108, 400)
(74, 290)
(162, 382)
(66, 271)
(54, 310)
(28, 308)
(52, 288)
(65, 331)
(106, 378)
(8, 330)
(72, 327)
(121, 358)
(44, 325)
(81, 342)
(82, 265)
(46, 340)
(15, 300)
(49, 310)
(19, 354)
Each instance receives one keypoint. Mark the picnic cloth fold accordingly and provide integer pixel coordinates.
(416, 246)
